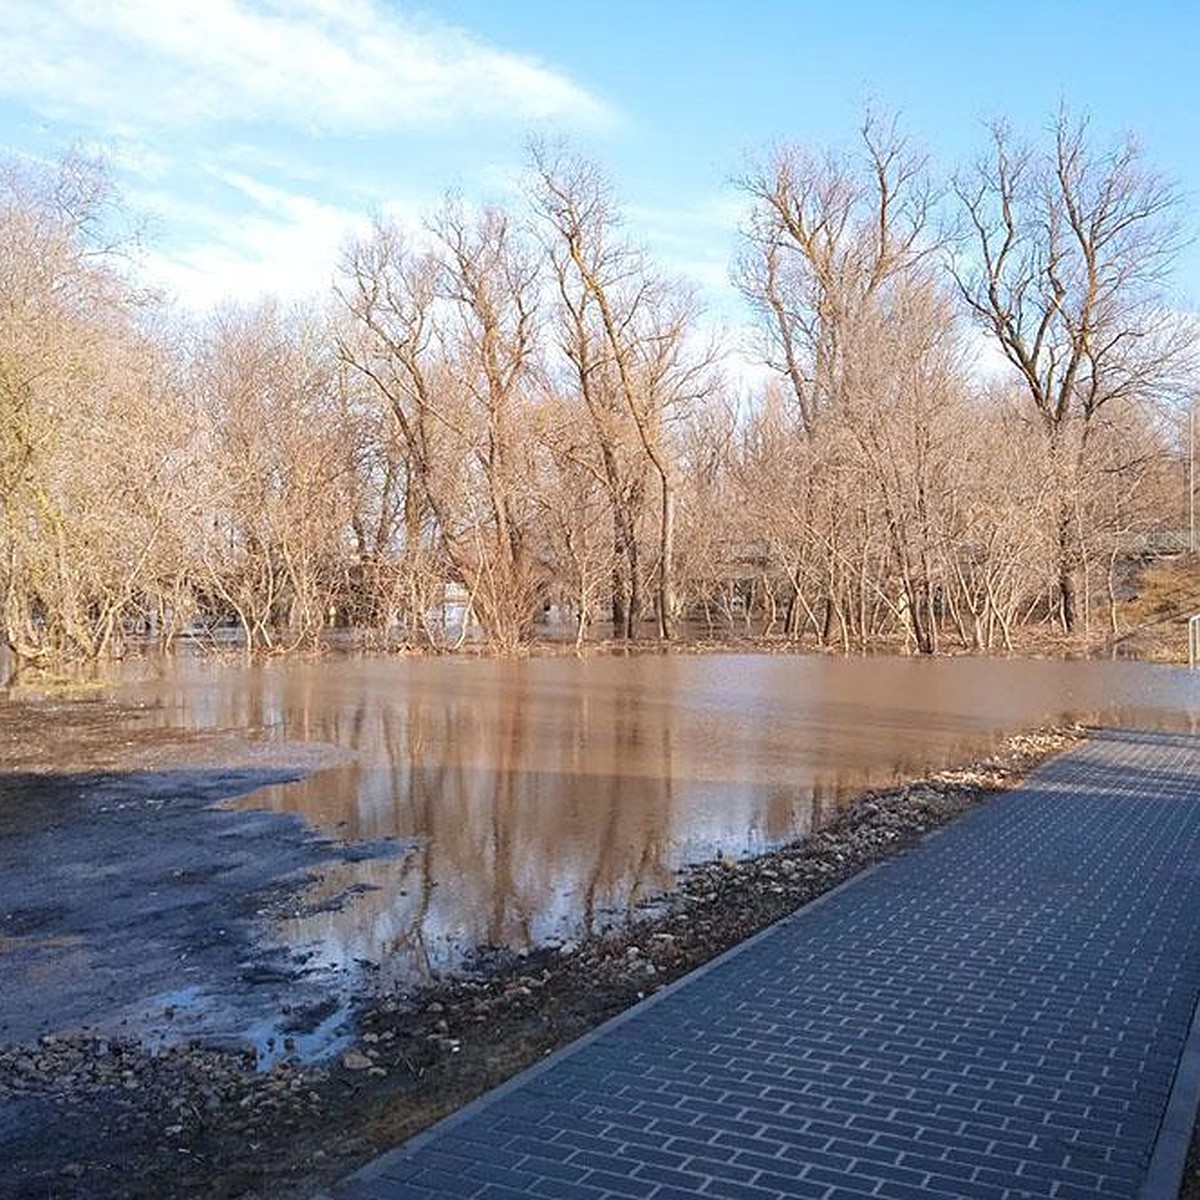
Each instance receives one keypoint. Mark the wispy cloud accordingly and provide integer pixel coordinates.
(273, 241)
(343, 66)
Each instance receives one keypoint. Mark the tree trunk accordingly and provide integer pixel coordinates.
(1066, 570)
(666, 580)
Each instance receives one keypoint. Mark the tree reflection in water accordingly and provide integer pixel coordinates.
(534, 801)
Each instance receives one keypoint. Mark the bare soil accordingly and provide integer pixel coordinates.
(1190, 1190)
(94, 1115)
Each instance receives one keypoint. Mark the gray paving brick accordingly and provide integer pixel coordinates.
(720, 1169)
(398, 1169)
(622, 1184)
(891, 1173)
(497, 1191)
(998, 1013)
(786, 1185)
(579, 1141)
(540, 1148)
(612, 1163)
(676, 1177)
(553, 1168)
(560, 1189)
(702, 1150)
(729, 1189)
(447, 1183)
(764, 1142)
(645, 1138)
(840, 1161)
(388, 1189)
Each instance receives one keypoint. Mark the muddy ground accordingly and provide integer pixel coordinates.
(125, 893)
(95, 1113)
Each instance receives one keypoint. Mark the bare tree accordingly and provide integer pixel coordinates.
(1064, 264)
(376, 588)
(89, 427)
(905, 386)
(280, 471)
(389, 290)
(838, 261)
(826, 238)
(575, 513)
(716, 552)
(519, 410)
(489, 276)
(448, 338)
(629, 335)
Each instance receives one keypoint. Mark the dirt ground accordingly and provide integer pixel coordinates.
(1191, 1176)
(99, 1115)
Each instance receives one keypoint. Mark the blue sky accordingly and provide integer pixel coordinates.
(255, 135)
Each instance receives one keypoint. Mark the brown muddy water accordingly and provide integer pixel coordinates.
(535, 801)
(472, 806)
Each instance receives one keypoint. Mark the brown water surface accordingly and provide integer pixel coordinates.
(536, 800)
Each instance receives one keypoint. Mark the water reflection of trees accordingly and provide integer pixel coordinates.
(525, 820)
(526, 814)
(533, 801)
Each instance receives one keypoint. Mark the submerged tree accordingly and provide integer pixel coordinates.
(629, 335)
(522, 405)
(90, 434)
(839, 264)
(279, 472)
(1064, 263)
(447, 337)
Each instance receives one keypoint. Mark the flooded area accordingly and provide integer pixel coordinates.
(539, 799)
(429, 813)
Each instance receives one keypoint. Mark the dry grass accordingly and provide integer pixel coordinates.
(1155, 617)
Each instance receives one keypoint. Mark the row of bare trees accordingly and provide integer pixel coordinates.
(519, 408)
(1060, 258)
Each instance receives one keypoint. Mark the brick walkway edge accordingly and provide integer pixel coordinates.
(1008, 1010)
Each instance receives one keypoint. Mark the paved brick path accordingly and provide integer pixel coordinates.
(999, 1013)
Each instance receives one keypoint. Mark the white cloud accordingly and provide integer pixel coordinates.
(285, 244)
(135, 159)
(348, 66)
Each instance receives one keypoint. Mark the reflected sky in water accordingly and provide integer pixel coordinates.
(536, 800)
